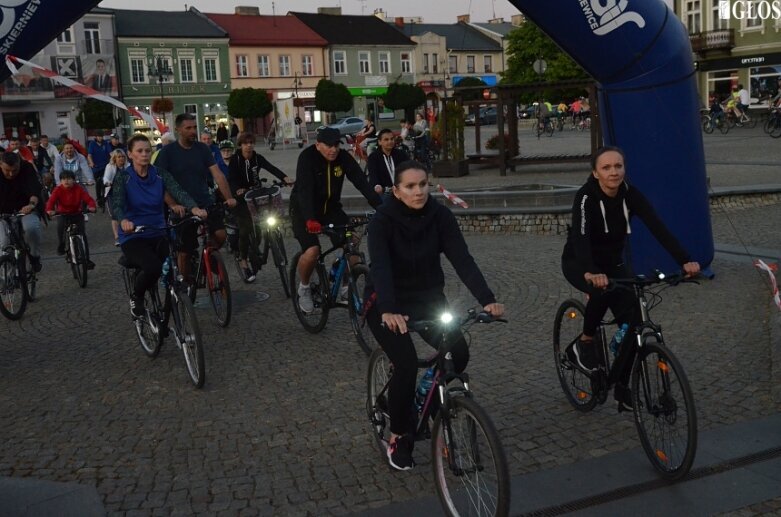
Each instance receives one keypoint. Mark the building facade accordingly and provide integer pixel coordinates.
(178, 55)
(32, 105)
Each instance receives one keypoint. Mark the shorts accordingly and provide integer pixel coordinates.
(187, 236)
(306, 239)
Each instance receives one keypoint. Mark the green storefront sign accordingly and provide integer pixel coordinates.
(365, 91)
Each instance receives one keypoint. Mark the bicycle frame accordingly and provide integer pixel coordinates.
(349, 249)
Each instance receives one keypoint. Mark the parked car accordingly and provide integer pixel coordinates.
(487, 116)
(529, 111)
(346, 125)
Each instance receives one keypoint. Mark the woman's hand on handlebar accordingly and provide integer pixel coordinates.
(495, 309)
(691, 268)
(127, 225)
(598, 280)
(200, 212)
(396, 323)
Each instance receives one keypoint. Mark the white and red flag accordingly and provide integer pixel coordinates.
(452, 197)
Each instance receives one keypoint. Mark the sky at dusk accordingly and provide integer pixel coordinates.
(432, 11)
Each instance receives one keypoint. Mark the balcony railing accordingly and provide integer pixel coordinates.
(721, 39)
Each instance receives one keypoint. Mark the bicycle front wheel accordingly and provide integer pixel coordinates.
(188, 336)
(13, 289)
(312, 320)
(469, 464)
(356, 288)
(279, 255)
(775, 128)
(380, 371)
(707, 124)
(664, 411)
(567, 328)
(219, 287)
(149, 328)
(79, 260)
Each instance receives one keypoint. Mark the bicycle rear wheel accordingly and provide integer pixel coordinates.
(470, 468)
(219, 287)
(664, 411)
(279, 255)
(567, 328)
(79, 260)
(355, 301)
(188, 336)
(380, 371)
(13, 289)
(315, 320)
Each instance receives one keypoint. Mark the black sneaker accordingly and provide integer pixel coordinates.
(400, 453)
(583, 354)
(36, 263)
(137, 307)
(90, 265)
(623, 396)
(249, 276)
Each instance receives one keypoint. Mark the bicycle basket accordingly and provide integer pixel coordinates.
(266, 199)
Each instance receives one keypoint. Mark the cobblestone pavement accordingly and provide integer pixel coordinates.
(766, 508)
(280, 428)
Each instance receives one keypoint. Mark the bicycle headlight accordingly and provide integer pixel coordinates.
(271, 220)
(446, 318)
(661, 276)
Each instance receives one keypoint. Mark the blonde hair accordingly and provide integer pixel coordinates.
(116, 153)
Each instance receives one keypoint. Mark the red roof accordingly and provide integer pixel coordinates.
(267, 31)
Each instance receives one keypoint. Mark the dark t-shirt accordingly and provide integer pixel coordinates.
(16, 193)
(190, 168)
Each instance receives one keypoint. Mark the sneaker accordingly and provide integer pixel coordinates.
(400, 453)
(583, 354)
(90, 265)
(36, 263)
(137, 307)
(116, 243)
(623, 396)
(249, 276)
(305, 302)
(343, 293)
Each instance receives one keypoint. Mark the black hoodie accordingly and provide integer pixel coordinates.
(245, 174)
(600, 224)
(404, 247)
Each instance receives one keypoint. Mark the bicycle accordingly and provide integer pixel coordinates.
(773, 123)
(661, 395)
(467, 455)
(711, 121)
(742, 121)
(18, 279)
(327, 289)
(210, 273)
(544, 126)
(152, 328)
(76, 248)
(266, 210)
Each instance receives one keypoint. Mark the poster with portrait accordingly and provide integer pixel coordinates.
(27, 84)
(100, 74)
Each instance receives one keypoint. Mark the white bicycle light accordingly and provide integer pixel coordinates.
(446, 318)
(271, 221)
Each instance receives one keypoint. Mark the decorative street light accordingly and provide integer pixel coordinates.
(162, 72)
(297, 83)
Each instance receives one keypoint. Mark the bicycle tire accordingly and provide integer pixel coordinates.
(751, 123)
(355, 290)
(707, 124)
(149, 329)
(317, 319)
(657, 412)
(380, 370)
(32, 279)
(768, 125)
(549, 129)
(219, 287)
(187, 332)
(80, 260)
(723, 126)
(279, 255)
(775, 130)
(473, 446)
(12, 284)
(577, 386)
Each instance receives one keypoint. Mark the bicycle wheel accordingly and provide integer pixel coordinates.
(775, 129)
(380, 371)
(355, 290)
(13, 289)
(723, 125)
(664, 410)
(188, 336)
(79, 260)
(549, 129)
(277, 245)
(469, 464)
(315, 320)
(149, 328)
(32, 279)
(751, 123)
(707, 124)
(567, 328)
(219, 287)
(768, 125)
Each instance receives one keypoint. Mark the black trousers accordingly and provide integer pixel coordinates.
(66, 220)
(100, 188)
(148, 256)
(401, 352)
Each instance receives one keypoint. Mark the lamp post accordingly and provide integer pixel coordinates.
(296, 84)
(162, 72)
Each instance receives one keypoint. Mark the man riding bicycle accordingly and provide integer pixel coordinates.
(19, 191)
(316, 200)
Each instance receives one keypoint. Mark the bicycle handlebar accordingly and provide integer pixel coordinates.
(194, 219)
(644, 281)
(471, 315)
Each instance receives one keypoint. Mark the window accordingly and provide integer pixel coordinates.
(763, 81)
(186, 68)
(488, 64)
(284, 66)
(66, 36)
(307, 66)
(470, 64)
(165, 64)
(453, 66)
(241, 66)
(716, 22)
(264, 66)
(425, 63)
(92, 37)
(434, 63)
(721, 82)
(210, 70)
(340, 65)
(752, 23)
(137, 69)
(693, 16)
(364, 63)
(406, 63)
(384, 61)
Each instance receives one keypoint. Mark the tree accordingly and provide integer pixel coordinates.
(528, 43)
(96, 114)
(471, 95)
(332, 97)
(405, 96)
(249, 103)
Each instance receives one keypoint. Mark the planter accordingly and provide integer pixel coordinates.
(450, 168)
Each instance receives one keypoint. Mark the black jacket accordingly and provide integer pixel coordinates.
(378, 167)
(318, 188)
(600, 225)
(405, 247)
(245, 174)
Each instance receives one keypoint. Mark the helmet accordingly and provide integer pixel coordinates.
(227, 144)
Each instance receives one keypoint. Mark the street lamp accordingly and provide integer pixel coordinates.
(296, 84)
(162, 72)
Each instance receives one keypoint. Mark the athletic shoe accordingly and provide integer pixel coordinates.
(137, 307)
(583, 354)
(116, 243)
(623, 396)
(305, 302)
(90, 265)
(36, 263)
(400, 453)
(249, 276)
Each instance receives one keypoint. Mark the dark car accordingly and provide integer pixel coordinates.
(487, 116)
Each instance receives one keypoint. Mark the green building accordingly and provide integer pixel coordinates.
(179, 55)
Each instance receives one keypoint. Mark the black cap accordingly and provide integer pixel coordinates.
(329, 136)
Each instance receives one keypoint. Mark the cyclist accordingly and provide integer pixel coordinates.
(139, 195)
(315, 200)
(243, 175)
(98, 155)
(406, 238)
(75, 162)
(382, 164)
(68, 199)
(192, 165)
(206, 139)
(227, 150)
(594, 252)
(117, 162)
(19, 191)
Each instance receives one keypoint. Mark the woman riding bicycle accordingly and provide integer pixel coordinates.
(406, 238)
(244, 174)
(595, 252)
(138, 198)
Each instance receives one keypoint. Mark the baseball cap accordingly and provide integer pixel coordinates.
(227, 144)
(329, 136)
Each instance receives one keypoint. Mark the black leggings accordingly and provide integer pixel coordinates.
(147, 255)
(401, 352)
